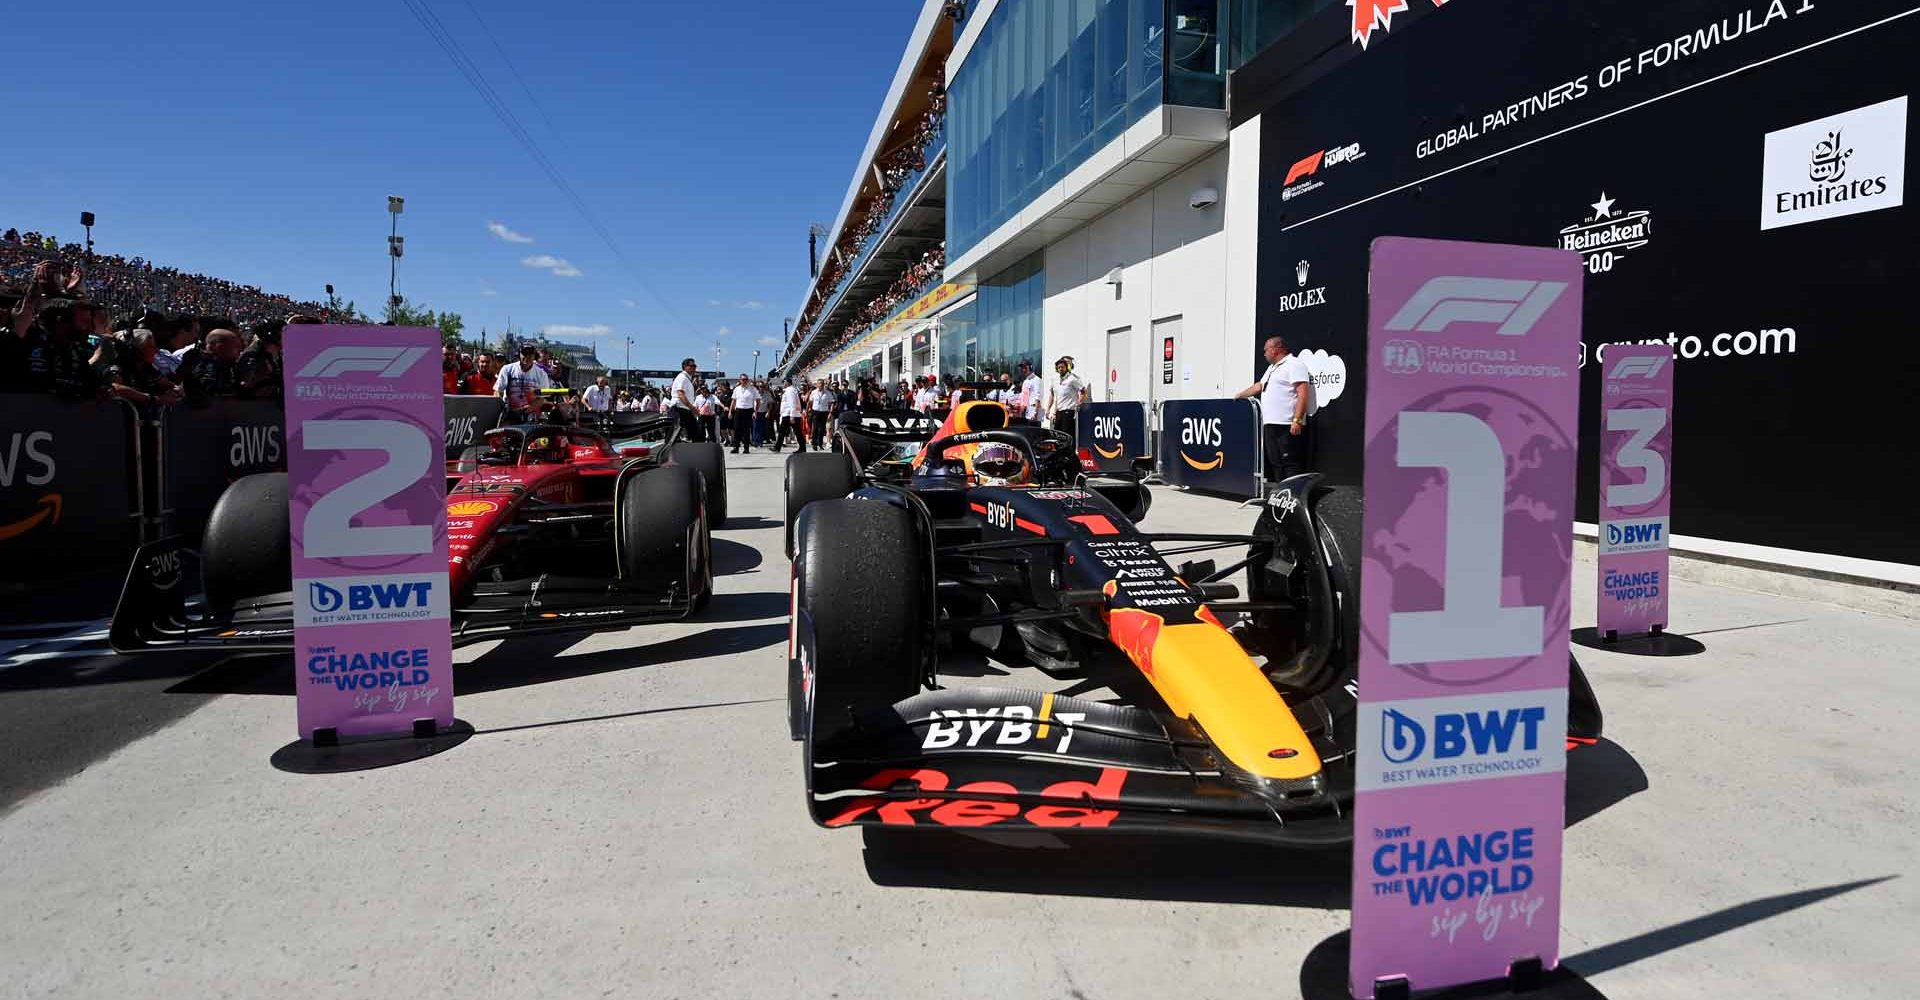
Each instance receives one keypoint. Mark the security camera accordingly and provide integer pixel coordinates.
(1206, 197)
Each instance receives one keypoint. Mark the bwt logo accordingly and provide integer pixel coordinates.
(1455, 734)
(370, 596)
(1516, 304)
(388, 362)
(1401, 357)
(1644, 367)
(1635, 534)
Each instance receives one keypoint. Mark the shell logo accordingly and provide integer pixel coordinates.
(472, 508)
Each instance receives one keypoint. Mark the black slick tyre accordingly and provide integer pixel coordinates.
(663, 535)
(819, 475)
(246, 551)
(866, 614)
(706, 458)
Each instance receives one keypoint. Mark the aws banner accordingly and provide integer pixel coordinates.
(367, 503)
(1636, 489)
(1211, 444)
(1471, 435)
(68, 486)
(1113, 434)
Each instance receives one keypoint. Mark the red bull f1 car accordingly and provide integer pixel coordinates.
(1228, 715)
(549, 529)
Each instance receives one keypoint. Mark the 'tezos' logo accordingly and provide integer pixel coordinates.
(388, 362)
(1514, 303)
(1644, 367)
(1205, 432)
(1304, 169)
(370, 599)
(1845, 164)
(1440, 740)
(1603, 238)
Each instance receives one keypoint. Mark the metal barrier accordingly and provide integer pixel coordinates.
(1211, 445)
(72, 494)
(468, 417)
(1113, 434)
(205, 448)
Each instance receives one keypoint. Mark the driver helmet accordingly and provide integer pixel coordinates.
(998, 464)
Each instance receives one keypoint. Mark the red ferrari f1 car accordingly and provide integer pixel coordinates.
(549, 529)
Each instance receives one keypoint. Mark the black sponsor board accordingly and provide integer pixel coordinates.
(1113, 434)
(468, 419)
(1639, 136)
(209, 446)
(1210, 444)
(68, 487)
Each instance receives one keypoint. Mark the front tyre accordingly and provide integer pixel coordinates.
(866, 619)
(819, 475)
(706, 458)
(663, 532)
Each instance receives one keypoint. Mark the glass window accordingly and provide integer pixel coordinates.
(1259, 23)
(1046, 83)
(1199, 75)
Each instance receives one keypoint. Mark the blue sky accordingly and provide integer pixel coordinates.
(259, 141)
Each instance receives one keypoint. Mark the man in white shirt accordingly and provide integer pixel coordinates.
(1286, 401)
(599, 396)
(1068, 395)
(1030, 393)
(520, 385)
(789, 418)
(745, 398)
(680, 402)
(824, 403)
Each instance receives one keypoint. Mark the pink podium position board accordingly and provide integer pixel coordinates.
(366, 497)
(1471, 431)
(1636, 492)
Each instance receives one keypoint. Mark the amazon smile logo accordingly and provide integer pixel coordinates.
(1104, 453)
(1219, 457)
(47, 511)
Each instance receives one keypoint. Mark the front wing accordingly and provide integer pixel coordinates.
(155, 615)
(1007, 759)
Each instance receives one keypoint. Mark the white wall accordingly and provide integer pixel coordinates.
(1173, 261)
(1243, 251)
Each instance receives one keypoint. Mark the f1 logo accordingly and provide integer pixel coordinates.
(1629, 367)
(389, 362)
(1514, 303)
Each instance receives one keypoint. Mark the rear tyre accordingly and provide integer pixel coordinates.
(246, 551)
(867, 615)
(663, 534)
(819, 475)
(710, 461)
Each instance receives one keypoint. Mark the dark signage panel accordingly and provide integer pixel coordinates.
(1733, 176)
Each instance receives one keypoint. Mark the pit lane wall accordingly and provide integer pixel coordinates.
(1731, 172)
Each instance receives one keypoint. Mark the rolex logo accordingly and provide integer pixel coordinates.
(1300, 272)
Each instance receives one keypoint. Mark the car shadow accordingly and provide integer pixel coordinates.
(1113, 866)
(513, 663)
(1599, 777)
(732, 557)
(746, 607)
(749, 523)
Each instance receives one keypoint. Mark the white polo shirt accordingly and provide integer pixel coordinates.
(682, 386)
(1030, 397)
(744, 397)
(1277, 390)
(790, 401)
(822, 400)
(599, 398)
(1066, 392)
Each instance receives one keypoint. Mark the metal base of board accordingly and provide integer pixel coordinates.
(1657, 642)
(330, 753)
(1323, 976)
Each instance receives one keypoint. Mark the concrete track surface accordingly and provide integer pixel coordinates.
(628, 823)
